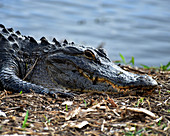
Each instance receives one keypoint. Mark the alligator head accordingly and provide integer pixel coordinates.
(86, 68)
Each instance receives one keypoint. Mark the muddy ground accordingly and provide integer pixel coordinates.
(89, 114)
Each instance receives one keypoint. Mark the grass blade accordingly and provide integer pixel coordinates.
(25, 120)
(123, 58)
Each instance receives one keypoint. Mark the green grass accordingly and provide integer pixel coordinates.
(134, 133)
(139, 101)
(47, 120)
(159, 123)
(162, 67)
(123, 61)
(132, 62)
(164, 126)
(66, 107)
(85, 103)
(165, 67)
(24, 125)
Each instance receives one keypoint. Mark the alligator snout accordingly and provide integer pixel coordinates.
(122, 79)
(145, 80)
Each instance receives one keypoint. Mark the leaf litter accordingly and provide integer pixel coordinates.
(89, 113)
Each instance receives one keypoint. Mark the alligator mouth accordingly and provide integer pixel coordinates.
(130, 89)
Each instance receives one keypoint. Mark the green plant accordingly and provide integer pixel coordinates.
(48, 120)
(139, 101)
(139, 132)
(66, 107)
(123, 58)
(145, 66)
(165, 67)
(85, 103)
(164, 126)
(123, 61)
(162, 67)
(159, 123)
(25, 120)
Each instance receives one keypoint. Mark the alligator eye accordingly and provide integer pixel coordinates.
(89, 54)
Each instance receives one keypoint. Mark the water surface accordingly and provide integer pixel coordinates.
(130, 27)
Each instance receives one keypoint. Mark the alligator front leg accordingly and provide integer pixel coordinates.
(12, 82)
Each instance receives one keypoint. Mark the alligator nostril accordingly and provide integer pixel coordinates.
(140, 78)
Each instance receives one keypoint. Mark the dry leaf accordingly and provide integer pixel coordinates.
(111, 101)
(73, 113)
(142, 110)
(75, 124)
(67, 103)
(2, 114)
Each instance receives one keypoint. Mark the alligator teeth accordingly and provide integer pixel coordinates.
(85, 74)
(89, 76)
(80, 71)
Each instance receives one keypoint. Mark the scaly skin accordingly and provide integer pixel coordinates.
(45, 67)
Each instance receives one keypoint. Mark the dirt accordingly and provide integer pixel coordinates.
(89, 114)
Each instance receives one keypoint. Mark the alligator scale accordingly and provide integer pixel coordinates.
(48, 67)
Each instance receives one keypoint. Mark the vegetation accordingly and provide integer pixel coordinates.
(25, 120)
(162, 67)
(132, 62)
(123, 61)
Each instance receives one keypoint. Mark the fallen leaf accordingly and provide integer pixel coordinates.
(73, 113)
(2, 114)
(142, 110)
(75, 124)
(67, 103)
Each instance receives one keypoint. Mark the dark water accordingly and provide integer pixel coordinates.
(130, 27)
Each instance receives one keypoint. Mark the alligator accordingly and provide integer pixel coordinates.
(52, 67)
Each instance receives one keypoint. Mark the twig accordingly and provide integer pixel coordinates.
(30, 69)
